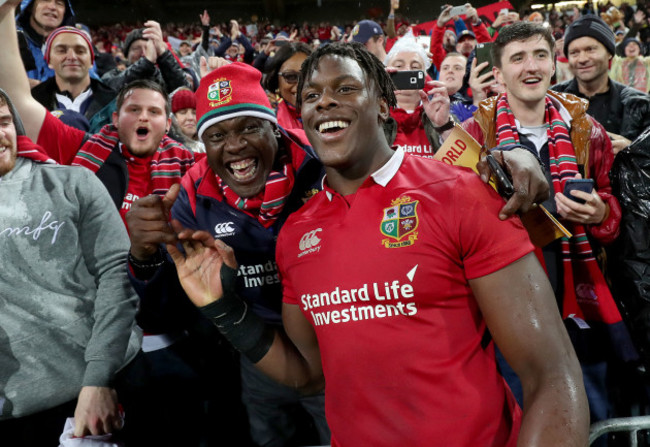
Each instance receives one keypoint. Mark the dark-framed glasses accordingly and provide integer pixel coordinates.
(290, 77)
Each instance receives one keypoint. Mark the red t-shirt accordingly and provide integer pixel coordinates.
(384, 283)
(61, 142)
(139, 180)
(324, 33)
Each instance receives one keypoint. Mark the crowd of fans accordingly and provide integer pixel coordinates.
(627, 22)
(73, 103)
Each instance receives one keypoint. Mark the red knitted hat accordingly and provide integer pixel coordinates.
(231, 91)
(183, 99)
(67, 29)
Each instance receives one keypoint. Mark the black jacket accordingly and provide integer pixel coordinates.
(45, 93)
(167, 73)
(629, 256)
(629, 109)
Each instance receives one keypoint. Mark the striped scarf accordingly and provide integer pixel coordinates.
(267, 205)
(586, 294)
(168, 164)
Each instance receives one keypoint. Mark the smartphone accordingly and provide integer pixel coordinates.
(458, 10)
(504, 11)
(484, 54)
(504, 185)
(408, 80)
(578, 184)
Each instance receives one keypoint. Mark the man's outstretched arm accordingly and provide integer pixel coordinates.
(206, 270)
(519, 308)
(13, 78)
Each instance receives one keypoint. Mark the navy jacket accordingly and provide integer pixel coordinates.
(200, 205)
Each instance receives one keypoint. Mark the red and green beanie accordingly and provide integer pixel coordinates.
(229, 92)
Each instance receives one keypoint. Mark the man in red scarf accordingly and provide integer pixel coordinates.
(570, 144)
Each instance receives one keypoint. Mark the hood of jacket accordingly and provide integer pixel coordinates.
(22, 18)
(18, 123)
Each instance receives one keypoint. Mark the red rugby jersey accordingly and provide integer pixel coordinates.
(384, 282)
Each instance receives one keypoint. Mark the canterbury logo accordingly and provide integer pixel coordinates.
(309, 240)
(224, 228)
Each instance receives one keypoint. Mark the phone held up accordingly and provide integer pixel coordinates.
(458, 10)
(484, 54)
(504, 185)
(578, 184)
(408, 80)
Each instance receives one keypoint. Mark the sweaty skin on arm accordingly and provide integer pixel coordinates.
(13, 78)
(519, 308)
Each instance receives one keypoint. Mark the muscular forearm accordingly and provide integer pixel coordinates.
(535, 344)
(284, 364)
(544, 424)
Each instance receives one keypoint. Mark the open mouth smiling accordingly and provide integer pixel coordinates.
(332, 126)
(532, 80)
(243, 170)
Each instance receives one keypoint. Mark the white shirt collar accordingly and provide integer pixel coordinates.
(384, 174)
(74, 104)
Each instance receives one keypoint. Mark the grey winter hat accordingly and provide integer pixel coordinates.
(134, 35)
(590, 26)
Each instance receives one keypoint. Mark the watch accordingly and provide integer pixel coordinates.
(448, 125)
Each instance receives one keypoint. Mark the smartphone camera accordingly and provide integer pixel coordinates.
(408, 80)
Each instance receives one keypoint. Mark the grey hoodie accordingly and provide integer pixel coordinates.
(67, 308)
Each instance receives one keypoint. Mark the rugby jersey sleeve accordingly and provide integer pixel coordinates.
(485, 242)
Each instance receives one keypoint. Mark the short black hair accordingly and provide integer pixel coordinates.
(519, 31)
(373, 67)
(272, 67)
(145, 84)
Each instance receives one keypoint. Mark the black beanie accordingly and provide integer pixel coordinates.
(632, 40)
(590, 26)
(130, 38)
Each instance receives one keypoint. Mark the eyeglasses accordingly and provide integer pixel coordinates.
(291, 77)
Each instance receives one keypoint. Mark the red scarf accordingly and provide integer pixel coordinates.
(268, 204)
(168, 164)
(288, 116)
(586, 294)
(26, 148)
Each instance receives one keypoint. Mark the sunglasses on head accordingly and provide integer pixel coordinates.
(290, 77)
